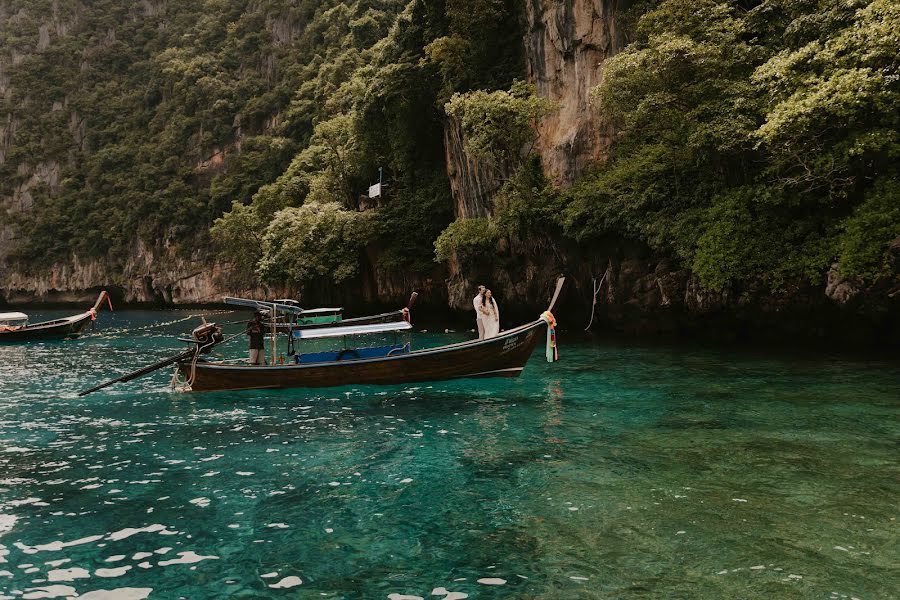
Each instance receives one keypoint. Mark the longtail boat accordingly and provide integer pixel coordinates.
(14, 327)
(502, 356)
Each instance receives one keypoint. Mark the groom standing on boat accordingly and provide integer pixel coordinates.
(257, 345)
(476, 302)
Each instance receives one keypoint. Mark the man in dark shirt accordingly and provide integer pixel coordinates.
(257, 346)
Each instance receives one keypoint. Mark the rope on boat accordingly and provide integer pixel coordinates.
(184, 386)
(167, 323)
(596, 287)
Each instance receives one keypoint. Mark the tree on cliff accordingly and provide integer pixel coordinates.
(755, 145)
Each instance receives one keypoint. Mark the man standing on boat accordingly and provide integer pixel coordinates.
(476, 302)
(257, 345)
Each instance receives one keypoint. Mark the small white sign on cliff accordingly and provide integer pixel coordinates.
(375, 190)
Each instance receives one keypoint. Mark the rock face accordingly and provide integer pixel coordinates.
(472, 183)
(566, 44)
(148, 275)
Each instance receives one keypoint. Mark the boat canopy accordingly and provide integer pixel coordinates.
(13, 317)
(280, 306)
(326, 332)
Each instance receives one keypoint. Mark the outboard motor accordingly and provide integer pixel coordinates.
(206, 336)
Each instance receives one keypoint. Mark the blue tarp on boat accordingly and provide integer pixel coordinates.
(351, 354)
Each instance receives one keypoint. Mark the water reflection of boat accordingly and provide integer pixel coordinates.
(14, 327)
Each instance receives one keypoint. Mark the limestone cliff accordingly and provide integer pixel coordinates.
(566, 43)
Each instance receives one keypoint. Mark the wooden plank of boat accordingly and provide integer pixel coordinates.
(65, 328)
(501, 356)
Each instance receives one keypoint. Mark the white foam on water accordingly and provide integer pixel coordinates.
(186, 558)
(287, 582)
(201, 502)
(841, 548)
(115, 558)
(270, 575)
(210, 474)
(245, 473)
(334, 483)
(126, 593)
(213, 457)
(49, 591)
(278, 525)
(578, 578)
(329, 530)
(68, 574)
(116, 572)
(492, 581)
(130, 531)
(17, 449)
(162, 550)
(407, 480)
(141, 555)
(145, 565)
(738, 500)
(758, 568)
(404, 597)
(56, 546)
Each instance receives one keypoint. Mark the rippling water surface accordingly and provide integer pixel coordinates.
(623, 471)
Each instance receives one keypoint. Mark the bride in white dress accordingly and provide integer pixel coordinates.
(490, 315)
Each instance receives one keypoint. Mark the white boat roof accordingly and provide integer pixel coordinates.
(283, 308)
(13, 316)
(324, 332)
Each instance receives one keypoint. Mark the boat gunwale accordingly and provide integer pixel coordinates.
(49, 325)
(62, 321)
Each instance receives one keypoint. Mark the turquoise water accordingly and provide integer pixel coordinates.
(624, 471)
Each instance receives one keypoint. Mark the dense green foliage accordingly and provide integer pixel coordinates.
(756, 144)
(384, 112)
(191, 110)
(757, 141)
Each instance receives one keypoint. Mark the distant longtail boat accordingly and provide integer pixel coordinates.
(14, 327)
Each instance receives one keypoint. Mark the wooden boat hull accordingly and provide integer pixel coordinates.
(51, 330)
(502, 356)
